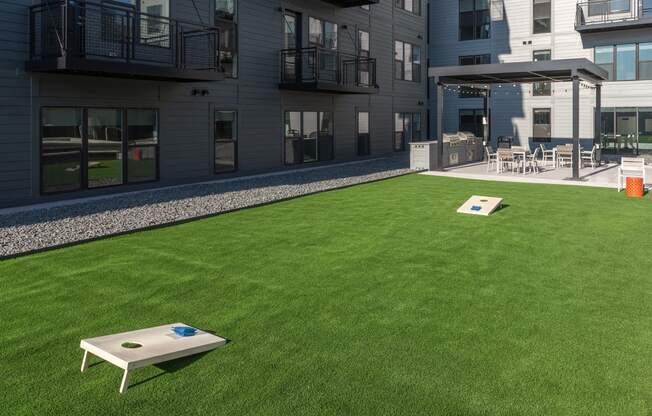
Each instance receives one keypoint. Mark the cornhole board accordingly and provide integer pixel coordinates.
(481, 205)
(158, 344)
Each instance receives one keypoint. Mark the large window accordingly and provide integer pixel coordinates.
(541, 16)
(604, 57)
(541, 124)
(645, 61)
(322, 33)
(626, 130)
(603, 7)
(470, 120)
(226, 21)
(364, 145)
(61, 149)
(85, 147)
(470, 92)
(153, 26)
(104, 147)
(475, 59)
(407, 61)
(308, 137)
(142, 145)
(412, 6)
(474, 19)
(364, 48)
(542, 88)
(407, 129)
(226, 141)
(626, 62)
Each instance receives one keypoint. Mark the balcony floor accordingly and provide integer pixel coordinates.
(121, 69)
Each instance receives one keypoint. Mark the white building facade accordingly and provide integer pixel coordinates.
(616, 34)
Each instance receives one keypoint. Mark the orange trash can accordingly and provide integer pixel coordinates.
(635, 188)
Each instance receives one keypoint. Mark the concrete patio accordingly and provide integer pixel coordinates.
(605, 176)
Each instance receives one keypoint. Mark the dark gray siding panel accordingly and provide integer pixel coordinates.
(187, 120)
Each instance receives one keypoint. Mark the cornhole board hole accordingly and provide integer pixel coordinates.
(137, 349)
(481, 205)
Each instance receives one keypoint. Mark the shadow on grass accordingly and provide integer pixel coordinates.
(171, 367)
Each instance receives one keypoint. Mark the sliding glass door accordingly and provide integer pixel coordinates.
(85, 148)
(308, 136)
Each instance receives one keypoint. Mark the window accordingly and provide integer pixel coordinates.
(542, 88)
(541, 127)
(474, 19)
(142, 145)
(83, 148)
(226, 21)
(226, 141)
(407, 61)
(645, 61)
(604, 57)
(412, 6)
(364, 145)
(104, 147)
(475, 59)
(155, 26)
(469, 92)
(61, 149)
(542, 12)
(470, 120)
(308, 137)
(364, 52)
(322, 33)
(626, 62)
(602, 7)
(407, 129)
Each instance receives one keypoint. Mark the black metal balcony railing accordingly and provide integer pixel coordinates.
(86, 37)
(613, 14)
(327, 70)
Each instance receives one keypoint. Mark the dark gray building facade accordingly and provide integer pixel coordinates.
(118, 95)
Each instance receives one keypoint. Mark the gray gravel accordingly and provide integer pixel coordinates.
(41, 228)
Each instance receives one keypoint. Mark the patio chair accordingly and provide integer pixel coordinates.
(505, 159)
(630, 167)
(532, 161)
(492, 157)
(590, 156)
(547, 156)
(564, 155)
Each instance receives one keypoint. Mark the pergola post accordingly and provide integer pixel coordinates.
(576, 127)
(440, 125)
(597, 125)
(487, 114)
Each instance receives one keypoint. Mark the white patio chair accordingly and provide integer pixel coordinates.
(532, 161)
(548, 156)
(590, 156)
(631, 167)
(492, 157)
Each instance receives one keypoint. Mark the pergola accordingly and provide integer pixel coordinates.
(484, 76)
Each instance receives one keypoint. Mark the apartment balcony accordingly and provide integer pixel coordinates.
(83, 37)
(330, 71)
(609, 15)
(352, 3)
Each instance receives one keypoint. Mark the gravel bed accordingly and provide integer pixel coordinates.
(42, 228)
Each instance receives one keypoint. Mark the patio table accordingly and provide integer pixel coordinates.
(156, 345)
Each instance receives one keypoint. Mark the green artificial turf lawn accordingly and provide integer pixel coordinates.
(372, 300)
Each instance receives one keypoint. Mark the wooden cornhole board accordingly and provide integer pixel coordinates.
(159, 344)
(481, 205)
